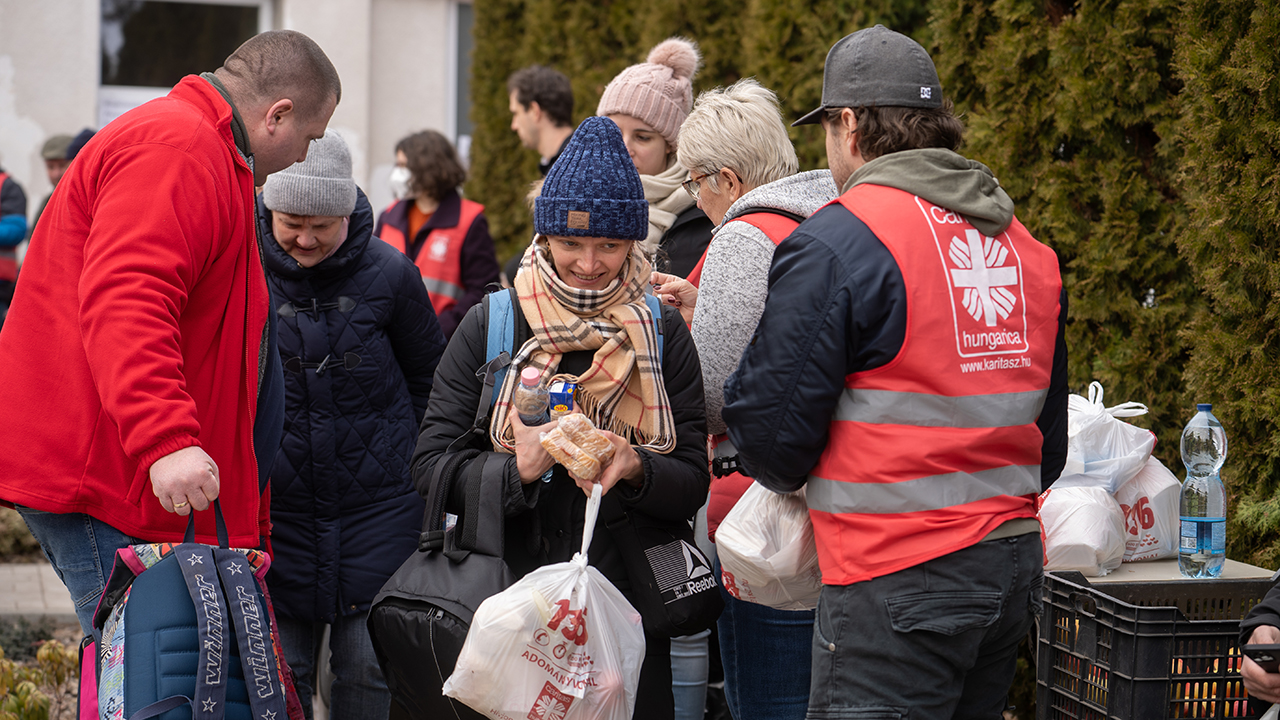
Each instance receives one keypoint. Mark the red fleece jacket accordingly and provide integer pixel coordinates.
(137, 326)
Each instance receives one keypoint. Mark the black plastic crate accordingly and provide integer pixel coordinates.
(1139, 650)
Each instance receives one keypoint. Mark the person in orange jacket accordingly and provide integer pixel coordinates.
(446, 236)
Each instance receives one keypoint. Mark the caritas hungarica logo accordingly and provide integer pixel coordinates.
(985, 278)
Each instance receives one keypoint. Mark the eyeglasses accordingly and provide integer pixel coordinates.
(691, 185)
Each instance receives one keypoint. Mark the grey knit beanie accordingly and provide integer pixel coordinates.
(319, 185)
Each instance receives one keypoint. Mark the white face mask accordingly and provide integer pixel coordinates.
(399, 180)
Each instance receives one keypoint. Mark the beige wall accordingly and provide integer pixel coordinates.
(395, 57)
(48, 81)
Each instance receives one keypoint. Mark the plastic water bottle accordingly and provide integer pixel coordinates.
(531, 400)
(1202, 546)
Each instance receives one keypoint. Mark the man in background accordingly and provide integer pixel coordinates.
(58, 152)
(138, 373)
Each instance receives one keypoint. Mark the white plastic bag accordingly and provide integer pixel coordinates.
(1083, 530)
(766, 549)
(560, 644)
(1103, 451)
(1150, 505)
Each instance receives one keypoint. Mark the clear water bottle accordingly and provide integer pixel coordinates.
(531, 400)
(1202, 545)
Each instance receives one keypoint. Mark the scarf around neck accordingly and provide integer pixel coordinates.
(623, 390)
(667, 199)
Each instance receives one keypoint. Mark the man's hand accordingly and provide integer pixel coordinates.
(625, 466)
(185, 480)
(1260, 683)
(532, 460)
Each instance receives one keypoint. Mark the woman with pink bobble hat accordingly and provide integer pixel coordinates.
(649, 102)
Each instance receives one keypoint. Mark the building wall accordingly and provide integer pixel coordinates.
(396, 59)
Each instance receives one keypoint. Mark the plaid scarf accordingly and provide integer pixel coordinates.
(622, 391)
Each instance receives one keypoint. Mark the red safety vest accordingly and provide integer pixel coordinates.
(726, 490)
(440, 256)
(932, 451)
(8, 255)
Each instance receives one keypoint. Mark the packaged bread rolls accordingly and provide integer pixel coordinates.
(582, 433)
(575, 459)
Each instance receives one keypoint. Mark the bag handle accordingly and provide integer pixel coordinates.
(589, 526)
(219, 522)
(1128, 409)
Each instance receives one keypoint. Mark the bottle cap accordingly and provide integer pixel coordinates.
(1200, 407)
(530, 376)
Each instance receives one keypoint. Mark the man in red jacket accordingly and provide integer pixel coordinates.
(138, 354)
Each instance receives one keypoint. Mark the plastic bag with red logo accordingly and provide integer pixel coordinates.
(560, 644)
(767, 552)
(1150, 505)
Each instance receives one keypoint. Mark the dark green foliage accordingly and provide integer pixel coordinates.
(1228, 61)
(1076, 110)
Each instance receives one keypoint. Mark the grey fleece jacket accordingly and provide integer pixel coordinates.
(946, 179)
(735, 279)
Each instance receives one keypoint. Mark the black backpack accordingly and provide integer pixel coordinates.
(419, 620)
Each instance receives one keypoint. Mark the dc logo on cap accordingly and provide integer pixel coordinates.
(926, 93)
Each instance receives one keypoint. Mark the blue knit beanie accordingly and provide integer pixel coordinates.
(593, 190)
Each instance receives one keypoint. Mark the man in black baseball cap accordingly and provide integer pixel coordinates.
(909, 372)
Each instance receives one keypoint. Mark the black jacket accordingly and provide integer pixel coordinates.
(344, 510)
(683, 243)
(545, 520)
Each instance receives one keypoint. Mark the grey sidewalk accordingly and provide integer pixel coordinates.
(33, 589)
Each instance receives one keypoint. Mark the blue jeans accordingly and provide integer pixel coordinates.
(689, 666)
(82, 550)
(938, 640)
(766, 656)
(359, 690)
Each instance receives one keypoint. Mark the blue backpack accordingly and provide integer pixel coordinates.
(504, 311)
(186, 624)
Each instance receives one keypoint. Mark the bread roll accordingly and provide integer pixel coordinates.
(565, 452)
(582, 433)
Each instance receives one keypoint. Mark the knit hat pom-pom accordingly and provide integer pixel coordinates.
(678, 54)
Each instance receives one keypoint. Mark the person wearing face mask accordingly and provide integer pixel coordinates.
(648, 102)
(359, 342)
(446, 236)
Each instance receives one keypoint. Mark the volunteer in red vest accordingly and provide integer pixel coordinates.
(742, 170)
(140, 376)
(909, 371)
(446, 236)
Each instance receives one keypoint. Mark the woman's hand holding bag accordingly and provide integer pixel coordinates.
(560, 643)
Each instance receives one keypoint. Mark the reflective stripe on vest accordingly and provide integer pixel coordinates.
(440, 287)
(922, 494)
(969, 411)
(933, 450)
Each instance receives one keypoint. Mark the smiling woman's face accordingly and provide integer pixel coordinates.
(588, 263)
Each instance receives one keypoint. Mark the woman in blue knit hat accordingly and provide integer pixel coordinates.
(581, 315)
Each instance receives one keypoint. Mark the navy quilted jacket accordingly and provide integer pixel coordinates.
(360, 343)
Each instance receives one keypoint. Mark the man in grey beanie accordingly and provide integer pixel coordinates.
(909, 372)
(359, 343)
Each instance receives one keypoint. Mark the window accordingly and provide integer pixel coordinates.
(147, 46)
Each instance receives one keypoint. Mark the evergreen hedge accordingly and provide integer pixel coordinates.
(1139, 139)
(1228, 62)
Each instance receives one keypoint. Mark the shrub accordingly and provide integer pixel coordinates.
(1228, 62)
(16, 542)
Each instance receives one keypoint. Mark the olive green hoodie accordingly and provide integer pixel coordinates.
(946, 179)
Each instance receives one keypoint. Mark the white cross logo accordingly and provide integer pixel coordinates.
(983, 276)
